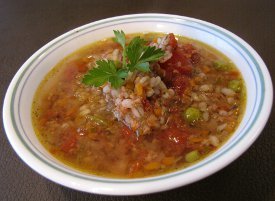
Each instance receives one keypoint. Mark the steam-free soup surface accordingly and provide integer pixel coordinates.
(164, 120)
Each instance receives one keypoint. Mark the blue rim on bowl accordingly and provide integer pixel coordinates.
(39, 161)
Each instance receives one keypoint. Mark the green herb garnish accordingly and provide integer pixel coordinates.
(120, 38)
(135, 57)
(106, 70)
(140, 55)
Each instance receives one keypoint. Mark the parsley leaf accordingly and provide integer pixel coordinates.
(135, 56)
(120, 37)
(105, 71)
(139, 55)
(143, 67)
(151, 54)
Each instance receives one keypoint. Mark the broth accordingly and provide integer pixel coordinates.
(160, 121)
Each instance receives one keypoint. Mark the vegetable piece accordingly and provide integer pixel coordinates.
(158, 111)
(69, 73)
(126, 131)
(173, 140)
(120, 38)
(138, 55)
(139, 89)
(168, 160)
(219, 65)
(192, 156)
(134, 168)
(103, 72)
(179, 57)
(235, 85)
(81, 64)
(172, 41)
(191, 115)
(68, 144)
(98, 120)
(152, 166)
(206, 69)
(180, 83)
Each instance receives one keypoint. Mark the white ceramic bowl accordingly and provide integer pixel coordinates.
(18, 102)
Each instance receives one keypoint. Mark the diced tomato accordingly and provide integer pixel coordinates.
(53, 150)
(181, 62)
(195, 58)
(135, 167)
(81, 65)
(184, 70)
(178, 62)
(189, 49)
(82, 68)
(178, 65)
(129, 136)
(70, 73)
(173, 140)
(75, 67)
(224, 106)
(71, 111)
(232, 75)
(48, 115)
(146, 105)
(191, 53)
(138, 163)
(172, 41)
(127, 131)
(69, 141)
(180, 83)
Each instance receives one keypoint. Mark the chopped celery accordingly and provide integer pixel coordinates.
(98, 120)
(192, 156)
(219, 65)
(235, 85)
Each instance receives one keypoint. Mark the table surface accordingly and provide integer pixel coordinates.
(25, 26)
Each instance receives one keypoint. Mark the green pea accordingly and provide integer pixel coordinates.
(222, 66)
(192, 156)
(235, 85)
(191, 114)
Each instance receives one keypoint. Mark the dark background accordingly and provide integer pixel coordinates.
(25, 26)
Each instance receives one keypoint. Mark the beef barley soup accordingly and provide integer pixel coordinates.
(138, 105)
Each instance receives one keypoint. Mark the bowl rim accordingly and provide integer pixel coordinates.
(27, 157)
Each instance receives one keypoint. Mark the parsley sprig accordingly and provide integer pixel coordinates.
(106, 70)
(135, 57)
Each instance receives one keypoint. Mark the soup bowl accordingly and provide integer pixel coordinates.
(19, 97)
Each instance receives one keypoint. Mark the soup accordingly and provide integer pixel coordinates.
(138, 105)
